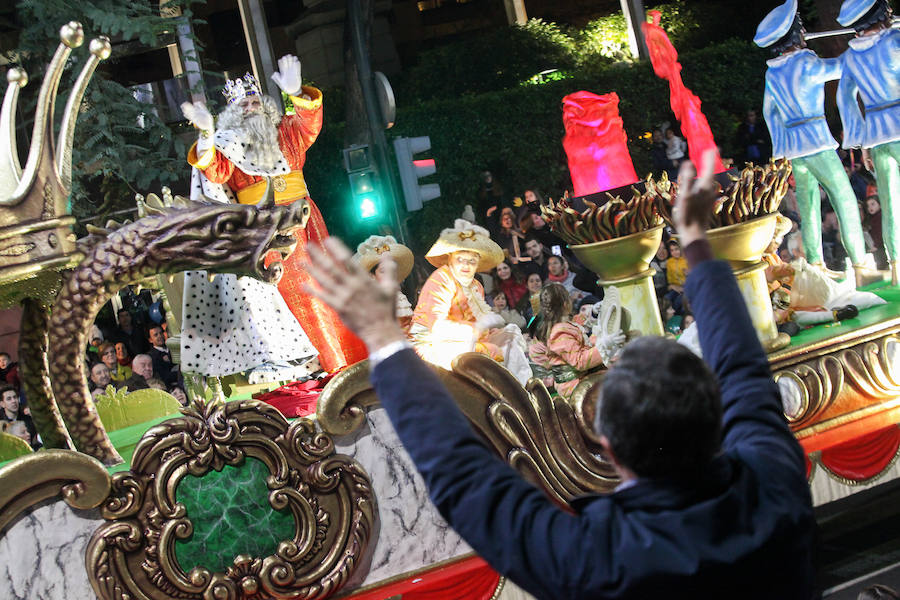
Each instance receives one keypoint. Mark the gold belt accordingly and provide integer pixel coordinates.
(288, 188)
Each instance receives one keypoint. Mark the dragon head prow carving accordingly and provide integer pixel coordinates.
(228, 238)
(181, 235)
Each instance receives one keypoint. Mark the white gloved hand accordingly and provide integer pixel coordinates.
(610, 345)
(489, 321)
(288, 75)
(198, 115)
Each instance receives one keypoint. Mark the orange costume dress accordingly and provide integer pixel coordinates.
(336, 345)
(443, 323)
(567, 357)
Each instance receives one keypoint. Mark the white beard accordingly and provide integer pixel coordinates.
(251, 141)
(261, 137)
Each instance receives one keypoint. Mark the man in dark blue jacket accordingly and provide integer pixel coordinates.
(713, 502)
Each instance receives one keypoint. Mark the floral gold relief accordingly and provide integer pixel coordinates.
(548, 440)
(329, 496)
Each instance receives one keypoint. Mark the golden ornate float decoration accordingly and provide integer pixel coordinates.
(329, 495)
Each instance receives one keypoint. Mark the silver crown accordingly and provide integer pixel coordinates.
(238, 89)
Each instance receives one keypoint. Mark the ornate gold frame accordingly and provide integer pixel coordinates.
(329, 495)
(547, 439)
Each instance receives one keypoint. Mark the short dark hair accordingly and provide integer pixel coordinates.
(880, 11)
(531, 237)
(660, 408)
(7, 388)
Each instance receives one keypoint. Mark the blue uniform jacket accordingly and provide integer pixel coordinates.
(871, 70)
(745, 532)
(794, 103)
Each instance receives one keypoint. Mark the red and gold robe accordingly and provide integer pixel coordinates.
(336, 345)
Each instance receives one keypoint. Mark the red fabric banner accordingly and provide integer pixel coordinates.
(685, 104)
(863, 457)
(466, 579)
(595, 143)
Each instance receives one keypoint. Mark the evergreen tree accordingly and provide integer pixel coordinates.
(122, 147)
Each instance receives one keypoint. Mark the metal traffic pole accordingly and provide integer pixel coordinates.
(373, 114)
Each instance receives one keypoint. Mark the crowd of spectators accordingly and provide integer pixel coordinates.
(536, 257)
(130, 352)
(126, 351)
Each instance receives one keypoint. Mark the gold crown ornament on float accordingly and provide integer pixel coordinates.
(36, 238)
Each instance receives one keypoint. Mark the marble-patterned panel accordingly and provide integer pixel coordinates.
(42, 554)
(411, 534)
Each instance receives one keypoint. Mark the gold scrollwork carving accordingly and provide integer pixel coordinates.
(82, 481)
(329, 495)
(547, 439)
(843, 382)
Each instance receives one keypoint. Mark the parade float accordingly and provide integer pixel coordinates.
(229, 499)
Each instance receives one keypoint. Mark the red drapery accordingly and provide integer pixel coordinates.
(595, 143)
(466, 579)
(685, 104)
(295, 399)
(863, 457)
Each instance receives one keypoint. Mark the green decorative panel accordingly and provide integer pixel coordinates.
(231, 515)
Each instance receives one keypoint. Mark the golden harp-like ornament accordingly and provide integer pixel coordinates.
(82, 481)
(329, 495)
(547, 439)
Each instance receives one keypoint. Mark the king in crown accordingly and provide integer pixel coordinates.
(252, 142)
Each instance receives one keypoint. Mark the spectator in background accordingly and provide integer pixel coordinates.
(857, 181)
(531, 223)
(9, 371)
(123, 357)
(503, 231)
(490, 196)
(753, 140)
(872, 224)
(508, 281)
(658, 264)
(94, 341)
(500, 304)
(530, 304)
(558, 272)
(20, 430)
(537, 257)
(675, 150)
(130, 335)
(10, 411)
(99, 379)
(676, 274)
(117, 372)
(142, 370)
(658, 157)
(163, 367)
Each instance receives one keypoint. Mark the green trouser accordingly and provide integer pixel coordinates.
(825, 168)
(887, 158)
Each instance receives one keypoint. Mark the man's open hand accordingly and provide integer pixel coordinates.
(365, 305)
(693, 206)
(198, 115)
(288, 75)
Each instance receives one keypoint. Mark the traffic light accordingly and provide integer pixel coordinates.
(412, 170)
(363, 178)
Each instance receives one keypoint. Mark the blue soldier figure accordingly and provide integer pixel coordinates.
(871, 71)
(793, 107)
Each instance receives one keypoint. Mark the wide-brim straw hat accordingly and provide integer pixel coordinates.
(466, 237)
(369, 253)
(782, 226)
